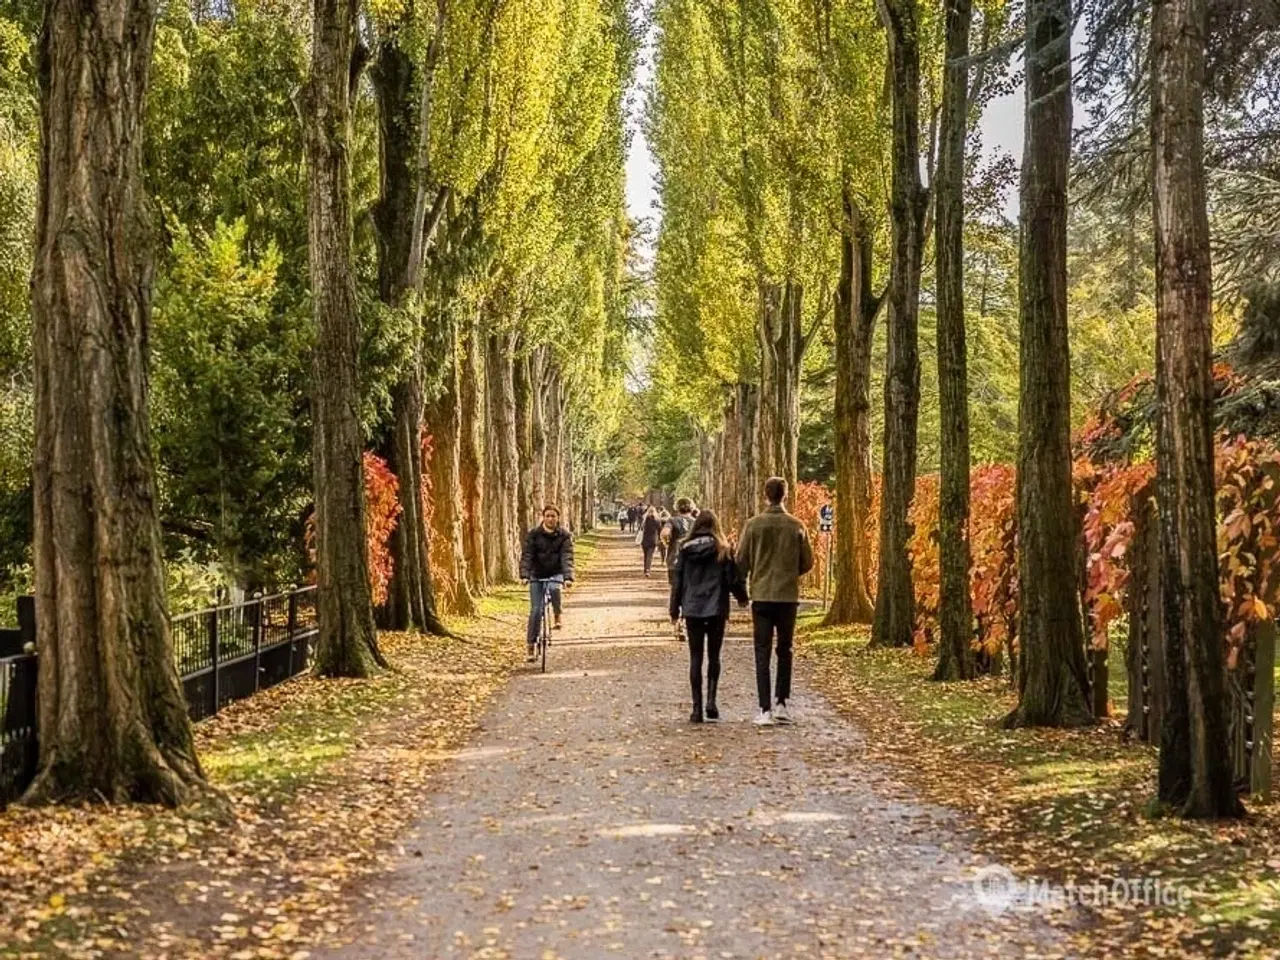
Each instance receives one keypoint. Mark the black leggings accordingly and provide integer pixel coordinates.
(648, 549)
(704, 633)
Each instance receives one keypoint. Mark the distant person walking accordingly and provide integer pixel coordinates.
(622, 519)
(705, 576)
(774, 553)
(674, 531)
(650, 530)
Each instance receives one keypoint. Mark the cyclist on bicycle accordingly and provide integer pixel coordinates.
(546, 562)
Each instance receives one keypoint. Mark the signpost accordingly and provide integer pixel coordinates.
(826, 521)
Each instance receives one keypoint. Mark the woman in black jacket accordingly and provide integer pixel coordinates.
(649, 532)
(705, 576)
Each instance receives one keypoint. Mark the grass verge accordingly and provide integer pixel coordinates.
(1069, 807)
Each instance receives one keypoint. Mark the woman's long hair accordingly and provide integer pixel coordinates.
(707, 525)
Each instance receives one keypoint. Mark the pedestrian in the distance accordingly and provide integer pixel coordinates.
(674, 530)
(774, 553)
(706, 575)
(622, 519)
(649, 532)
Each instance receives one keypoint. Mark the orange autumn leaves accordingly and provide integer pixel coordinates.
(1113, 498)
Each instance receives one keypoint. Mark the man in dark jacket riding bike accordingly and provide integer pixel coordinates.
(546, 562)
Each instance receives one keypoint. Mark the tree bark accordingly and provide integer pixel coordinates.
(895, 602)
(538, 400)
(502, 473)
(111, 715)
(554, 477)
(444, 423)
(1195, 765)
(767, 413)
(524, 389)
(347, 644)
(1052, 677)
(471, 455)
(856, 309)
(955, 611)
(411, 600)
(749, 492)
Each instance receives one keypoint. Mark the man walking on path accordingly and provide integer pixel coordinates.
(545, 563)
(774, 552)
(674, 531)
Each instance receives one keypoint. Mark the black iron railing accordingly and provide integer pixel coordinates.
(223, 654)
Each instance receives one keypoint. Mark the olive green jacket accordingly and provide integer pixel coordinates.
(774, 553)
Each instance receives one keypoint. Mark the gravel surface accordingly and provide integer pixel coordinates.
(589, 819)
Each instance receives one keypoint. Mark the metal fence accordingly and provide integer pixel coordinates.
(223, 654)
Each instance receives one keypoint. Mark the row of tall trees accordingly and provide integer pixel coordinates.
(298, 234)
(778, 203)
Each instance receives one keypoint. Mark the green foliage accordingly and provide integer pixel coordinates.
(228, 423)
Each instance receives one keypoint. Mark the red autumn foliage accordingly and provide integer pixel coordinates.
(806, 501)
(382, 513)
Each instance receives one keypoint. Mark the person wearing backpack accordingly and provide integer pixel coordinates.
(674, 532)
(705, 575)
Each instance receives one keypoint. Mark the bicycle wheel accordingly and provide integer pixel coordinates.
(546, 635)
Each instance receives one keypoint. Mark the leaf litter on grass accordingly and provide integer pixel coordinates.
(1066, 807)
(322, 776)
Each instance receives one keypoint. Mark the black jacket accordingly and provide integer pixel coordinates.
(547, 555)
(649, 533)
(703, 583)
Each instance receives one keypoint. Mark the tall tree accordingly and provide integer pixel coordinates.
(856, 310)
(1195, 764)
(112, 719)
(1052, 680)
(347, 644)
(404, 227)
(955, 613)
(895, 605)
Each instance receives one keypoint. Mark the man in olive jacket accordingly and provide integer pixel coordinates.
(774, 553)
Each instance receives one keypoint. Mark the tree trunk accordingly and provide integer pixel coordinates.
(347, 644)
(411, 599)
(554, 476)
(112, 719)
(856, 309)
(767, 412)
(502, 476)
(444, 423)
(527, 512)
(955, 610)
(789, 357)
(538, 400)
(471, 456)
(728, 498)
(1195, 766)
(749, 493)
(895, 602)
(1053, 682)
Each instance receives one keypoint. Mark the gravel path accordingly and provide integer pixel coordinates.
(590, 819)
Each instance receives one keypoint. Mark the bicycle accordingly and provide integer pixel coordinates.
(548, 610)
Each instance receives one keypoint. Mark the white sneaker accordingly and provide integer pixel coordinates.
(765, 719)
(780, 713)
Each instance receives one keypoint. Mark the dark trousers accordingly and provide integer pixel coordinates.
(705, 634)
(768, 618)
(648, 555)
